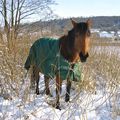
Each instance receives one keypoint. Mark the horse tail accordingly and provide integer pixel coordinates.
(30, 59)
(27, 63)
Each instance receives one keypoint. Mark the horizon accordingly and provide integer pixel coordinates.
(69, 18)
(58, 18)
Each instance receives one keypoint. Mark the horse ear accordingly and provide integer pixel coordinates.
(74, 23)
(89, 22)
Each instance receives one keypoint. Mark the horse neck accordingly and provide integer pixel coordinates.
(67, 50)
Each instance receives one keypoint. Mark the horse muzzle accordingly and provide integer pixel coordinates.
(83, 58)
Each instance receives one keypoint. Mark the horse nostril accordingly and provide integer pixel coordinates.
(83, 58)
(87, 55)
(82, 55)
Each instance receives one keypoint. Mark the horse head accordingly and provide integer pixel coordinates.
(80, 38)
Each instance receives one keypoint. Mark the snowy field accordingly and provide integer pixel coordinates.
(82, 106)
(103, 104)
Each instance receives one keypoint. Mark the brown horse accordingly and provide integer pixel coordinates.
(73, 47)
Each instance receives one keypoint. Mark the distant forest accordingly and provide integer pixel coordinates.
(107, 23)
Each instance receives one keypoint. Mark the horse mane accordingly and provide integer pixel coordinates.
(66, 45)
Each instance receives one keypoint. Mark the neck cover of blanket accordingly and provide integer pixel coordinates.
(45, 54)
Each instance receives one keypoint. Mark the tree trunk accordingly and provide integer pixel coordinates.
(6, 26)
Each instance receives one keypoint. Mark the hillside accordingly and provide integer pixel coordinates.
(59, 26)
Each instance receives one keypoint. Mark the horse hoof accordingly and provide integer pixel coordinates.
(67, 99)
(37, 92)
(58, 107)
(49, 94)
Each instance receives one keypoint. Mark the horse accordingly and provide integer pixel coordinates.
(73, 47)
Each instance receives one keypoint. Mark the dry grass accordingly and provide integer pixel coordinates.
(104, 68)
(101, 71)
(11, 65)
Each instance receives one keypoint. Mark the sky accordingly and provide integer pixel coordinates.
(87, 8)
(81, 8)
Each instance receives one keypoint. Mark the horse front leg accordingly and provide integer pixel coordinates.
(58, 91)
(47, 90)
(67, 97)
(36, 78)
(34, 83)
(32, 80)
(37, 86)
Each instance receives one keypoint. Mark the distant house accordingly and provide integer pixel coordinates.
(105, 34)
(95, 30)
(117, 36)
(112, 35)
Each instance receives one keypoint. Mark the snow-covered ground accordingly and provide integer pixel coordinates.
(104, 105)
(82, 106)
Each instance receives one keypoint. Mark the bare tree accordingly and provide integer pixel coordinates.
(12, 53)
(14, 11)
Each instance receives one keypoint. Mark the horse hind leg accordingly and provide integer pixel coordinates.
(35, 79)
(67, 97)
(32, 81)
(58, 89)
(47, 90)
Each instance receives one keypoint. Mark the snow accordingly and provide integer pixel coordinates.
(81, 106)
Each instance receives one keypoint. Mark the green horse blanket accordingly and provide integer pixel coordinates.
(45, 54)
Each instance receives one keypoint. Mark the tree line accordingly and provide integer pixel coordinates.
(59, 26)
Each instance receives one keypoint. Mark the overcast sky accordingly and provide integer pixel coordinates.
(70, 8)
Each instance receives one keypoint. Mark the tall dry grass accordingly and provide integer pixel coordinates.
(102, 71)
(12, 64)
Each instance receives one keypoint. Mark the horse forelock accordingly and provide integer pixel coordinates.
(82, 27)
